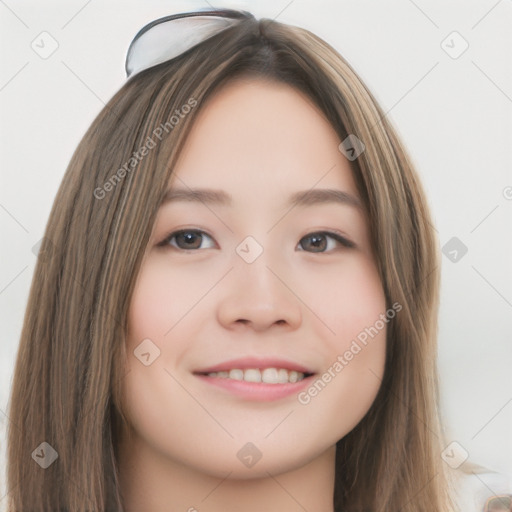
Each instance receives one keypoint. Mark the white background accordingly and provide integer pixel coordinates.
(454, 115)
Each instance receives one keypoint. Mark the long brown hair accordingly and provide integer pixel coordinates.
(71, 359)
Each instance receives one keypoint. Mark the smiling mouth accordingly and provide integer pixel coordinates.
(264, 375)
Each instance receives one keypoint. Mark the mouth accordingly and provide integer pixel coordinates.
(265, 375)
(257, 379)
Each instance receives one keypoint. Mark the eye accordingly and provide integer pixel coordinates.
(192, 239)
(186, 239)
(318, 241)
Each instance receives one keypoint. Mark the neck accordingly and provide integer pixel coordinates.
(153, 482)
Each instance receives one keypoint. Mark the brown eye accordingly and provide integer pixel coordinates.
(186, 239)
(318, 241)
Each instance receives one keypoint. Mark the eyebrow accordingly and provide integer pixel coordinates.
(302, 198)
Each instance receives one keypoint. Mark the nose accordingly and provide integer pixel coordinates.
(258, 296)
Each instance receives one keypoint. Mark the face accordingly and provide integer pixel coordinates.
(255, 319)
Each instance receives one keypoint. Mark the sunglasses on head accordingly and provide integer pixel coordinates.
(501, 503)
(168, 37)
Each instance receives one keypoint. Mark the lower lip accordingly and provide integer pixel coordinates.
(260, 391)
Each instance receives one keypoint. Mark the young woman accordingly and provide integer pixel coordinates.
(235, 306)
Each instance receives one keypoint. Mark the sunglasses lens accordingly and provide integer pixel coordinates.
(169, 37)
(499, 504)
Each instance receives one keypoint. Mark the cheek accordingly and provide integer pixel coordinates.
(161, 299)
(351, 302)
(361, 302)
(347, 297)
(361, 326)
(153, 397)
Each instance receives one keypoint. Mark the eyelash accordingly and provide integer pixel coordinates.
(332, 234)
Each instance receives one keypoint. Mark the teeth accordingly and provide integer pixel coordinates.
(236, 374)
(252, 375)
(267, 375)
(282, 376)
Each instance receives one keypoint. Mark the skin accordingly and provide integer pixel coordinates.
(260, 142)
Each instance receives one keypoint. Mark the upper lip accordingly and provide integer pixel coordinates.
(255, 362)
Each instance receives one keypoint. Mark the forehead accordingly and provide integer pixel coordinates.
(257, 137)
